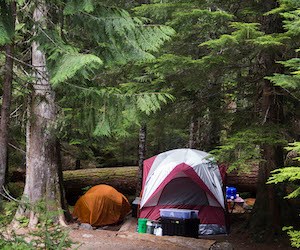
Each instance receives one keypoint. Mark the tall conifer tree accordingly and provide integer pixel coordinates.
(7, 24)
(64, 57)
(240, 43)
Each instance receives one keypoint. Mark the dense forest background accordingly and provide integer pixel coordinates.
(125, 80)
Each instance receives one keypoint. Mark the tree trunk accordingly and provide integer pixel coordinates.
(271, 211)
(42, 175)
(214, 125)
(268, 218)
(64, 203)
(6, 103)
(192, 138)
(142, 156)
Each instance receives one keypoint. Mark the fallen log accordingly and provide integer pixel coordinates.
(244, 182)
(121, 178)
(124, 180)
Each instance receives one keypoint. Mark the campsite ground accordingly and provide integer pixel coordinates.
(124, 237)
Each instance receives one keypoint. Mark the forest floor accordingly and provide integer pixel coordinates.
(125, 237)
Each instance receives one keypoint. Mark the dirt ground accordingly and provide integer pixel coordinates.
(240, 239)
(125, 237)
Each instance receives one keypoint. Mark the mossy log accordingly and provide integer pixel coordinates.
(121, 178)
(124, 179)
(244, 182)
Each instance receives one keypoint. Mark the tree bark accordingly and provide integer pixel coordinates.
(270, 208)
(125, 179)
(6, 103)
(42, 174)
(268, 213)
(192, 138)
(268, 218)
(64, 203)
(142, 156)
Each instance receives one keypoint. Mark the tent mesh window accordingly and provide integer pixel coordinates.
(183, 191)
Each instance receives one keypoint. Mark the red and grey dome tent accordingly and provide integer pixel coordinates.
(186, 179)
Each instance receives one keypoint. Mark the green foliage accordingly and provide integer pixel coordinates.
(292, 22)
(98, 38)
(6, 23)
(296, 147)
(291, 175)
(116, 36)
(73, 6)
(285, 81)
(243, 149)
(8, 210)
(288, 174)
(48, 235)
(70, 64)
(85, 189)
(294, 236)
(15, 241)
(4, 38)
(246, 33)
(291, 81)
(112, 104)
(131, 104)
(290, 10)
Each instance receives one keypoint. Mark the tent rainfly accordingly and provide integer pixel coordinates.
(101, 205)
(186, 179)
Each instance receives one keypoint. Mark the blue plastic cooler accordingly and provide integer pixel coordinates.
(230, 193)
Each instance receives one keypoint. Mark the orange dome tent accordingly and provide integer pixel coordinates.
(101, 205)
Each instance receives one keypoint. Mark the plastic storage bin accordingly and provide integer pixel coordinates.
(178, 213)
(180, 227)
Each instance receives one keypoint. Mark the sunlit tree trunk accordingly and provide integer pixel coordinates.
(6, 103)
(42, 172)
